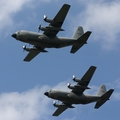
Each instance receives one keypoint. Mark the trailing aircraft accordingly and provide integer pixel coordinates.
(76, 96)
(49, 38)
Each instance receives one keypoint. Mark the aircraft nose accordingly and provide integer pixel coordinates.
(14, 35)
(46, 93)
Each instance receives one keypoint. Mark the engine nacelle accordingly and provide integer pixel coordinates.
(55, 104)
(48, 20)
(77, 87)
(76, 79)
(33, 49)
(25, 48)
(49, 28)
(81, 87)
(42, 28)
(30, 49)
(70, 87)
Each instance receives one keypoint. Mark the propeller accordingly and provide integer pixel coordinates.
(54, 102)
(45, 17)
(24, 47)
(68, 84)
(73, 77)
(39, 27)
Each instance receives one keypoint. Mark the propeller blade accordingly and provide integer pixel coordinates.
(39, 27)
(45, 17)
(24, 47)
(74, 77)
(54, 102)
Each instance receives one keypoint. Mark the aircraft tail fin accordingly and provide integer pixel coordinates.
(79, 32)
(80, 41)
(102, 90)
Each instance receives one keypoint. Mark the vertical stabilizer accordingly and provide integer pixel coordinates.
(79, 32)
(102, 90)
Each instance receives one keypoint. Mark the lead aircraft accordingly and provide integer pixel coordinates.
(48, 38)
(76, 96)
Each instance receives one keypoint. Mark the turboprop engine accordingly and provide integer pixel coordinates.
(76, 79)
(55, 104)
(77, 87)
(47, 20)
(33, 49)
(58, 105)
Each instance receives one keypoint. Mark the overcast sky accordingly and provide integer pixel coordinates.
(22, 84)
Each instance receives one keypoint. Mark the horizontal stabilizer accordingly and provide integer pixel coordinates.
(104, 98)
(80, 42)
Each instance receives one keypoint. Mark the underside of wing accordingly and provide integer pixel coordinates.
(31, 55)
(60, 109)
(55, 26)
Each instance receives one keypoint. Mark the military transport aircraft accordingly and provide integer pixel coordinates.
(48, 38)
(76, 96)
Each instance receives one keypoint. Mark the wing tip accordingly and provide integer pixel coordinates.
(26, 60)
(67, 5)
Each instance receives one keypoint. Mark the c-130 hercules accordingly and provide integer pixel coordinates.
(48, 38)
(76, 96)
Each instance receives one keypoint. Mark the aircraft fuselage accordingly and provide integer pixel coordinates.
(71, 98)
(42, 40)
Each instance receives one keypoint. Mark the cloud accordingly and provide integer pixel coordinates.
(28, 105)
(116, 86)
(102, 18)
(34, 105)
(8, 9)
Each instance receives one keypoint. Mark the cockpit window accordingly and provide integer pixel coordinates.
(50, 90)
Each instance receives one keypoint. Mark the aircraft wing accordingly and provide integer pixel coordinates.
(31, 55)
(60, 109)
(57, 21)
(83, 83)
